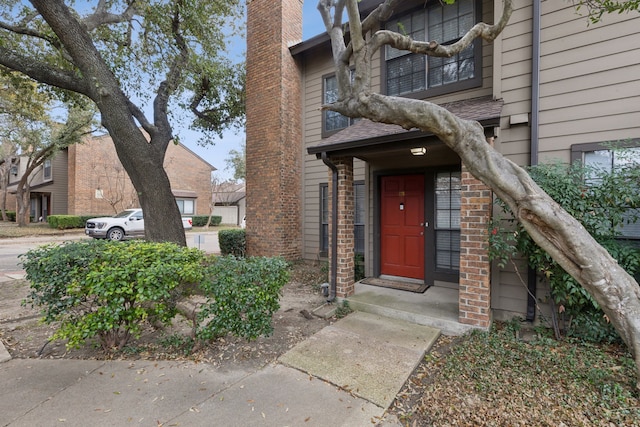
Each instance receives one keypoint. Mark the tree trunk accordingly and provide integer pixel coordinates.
(550, 226)
(23, 196)
(142, 159)
(5, 184)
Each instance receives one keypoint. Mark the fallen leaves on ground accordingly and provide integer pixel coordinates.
(495, 379)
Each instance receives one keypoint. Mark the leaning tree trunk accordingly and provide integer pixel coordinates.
(550, 226)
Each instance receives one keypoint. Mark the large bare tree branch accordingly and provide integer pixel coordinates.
(38, 71)
(552, 228)
(433, 48)
(101, 15)
(26, 31)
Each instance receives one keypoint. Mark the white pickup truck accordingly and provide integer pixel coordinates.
(127, 224)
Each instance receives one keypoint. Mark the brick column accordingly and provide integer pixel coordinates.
(273, 129)
(346, 209)
(475, 268)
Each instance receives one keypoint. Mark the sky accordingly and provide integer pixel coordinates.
(217, 153)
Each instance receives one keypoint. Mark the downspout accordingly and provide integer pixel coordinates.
(535, 145)
(334, 227)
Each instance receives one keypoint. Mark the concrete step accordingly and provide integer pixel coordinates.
(436, 307)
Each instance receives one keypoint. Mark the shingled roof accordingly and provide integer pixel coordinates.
(367, 133)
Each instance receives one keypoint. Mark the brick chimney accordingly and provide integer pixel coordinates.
(274, 129)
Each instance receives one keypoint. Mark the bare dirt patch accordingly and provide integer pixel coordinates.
(25, 336)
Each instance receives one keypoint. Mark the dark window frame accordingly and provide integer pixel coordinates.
(47, 170)
(358, 226)
(328, 132)
(323, 232)
(471, 83)
(451, 229)
(577, 155)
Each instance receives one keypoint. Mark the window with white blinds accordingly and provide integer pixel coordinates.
(447, 226)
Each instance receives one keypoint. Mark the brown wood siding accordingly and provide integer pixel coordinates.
(60, 184)
(588, 88)
(588, 93)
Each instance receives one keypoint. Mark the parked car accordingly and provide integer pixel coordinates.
(127, 224)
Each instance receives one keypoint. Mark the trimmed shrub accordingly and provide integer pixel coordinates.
(108, 289)
(233, 242)
(242, 295)
(201, 220)
(601, 203)
(63, 222)
(11, 216)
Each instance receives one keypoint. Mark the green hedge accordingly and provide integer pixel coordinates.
(242, 295)
(108, 289)
(233, 242)
(63, 222)
(11, 215)
(201, 220)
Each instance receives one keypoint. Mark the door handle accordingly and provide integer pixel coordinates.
(424, 224)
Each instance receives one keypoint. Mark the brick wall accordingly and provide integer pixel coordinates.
(345, 283)
(273, 129)
(94, 165)
(475, 267)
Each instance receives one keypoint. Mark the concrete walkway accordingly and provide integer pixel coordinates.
(347, 374)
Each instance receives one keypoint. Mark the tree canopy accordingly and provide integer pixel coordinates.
(143, 63)
(237, 162)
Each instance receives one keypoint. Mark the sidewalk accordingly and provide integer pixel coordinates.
(347, 374)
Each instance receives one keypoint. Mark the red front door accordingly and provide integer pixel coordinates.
(402, 226)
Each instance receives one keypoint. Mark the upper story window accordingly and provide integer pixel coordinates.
(332, 121)
(421, 75)
(46, 170)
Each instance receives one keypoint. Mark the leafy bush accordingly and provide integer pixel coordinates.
(242, 295)
(201, 220)
(601, 203)
(358, 271)
(107, 289)
(63, 222)
(233, 242)
(11, 216)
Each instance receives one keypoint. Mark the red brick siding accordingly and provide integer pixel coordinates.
(346, 208)
(94, 165)
(274, 135)
(475, 267)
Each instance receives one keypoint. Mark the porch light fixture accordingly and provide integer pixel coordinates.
(419, 151)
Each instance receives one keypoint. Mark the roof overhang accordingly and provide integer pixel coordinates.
(323, 40)
(365, 135)
(188, 194)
